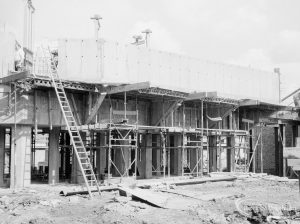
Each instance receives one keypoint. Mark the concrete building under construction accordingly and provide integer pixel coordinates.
(92, 111)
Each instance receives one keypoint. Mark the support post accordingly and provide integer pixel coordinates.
(231, 153)
(177, 163)
(54, 155)
(148, 156)
(101, 153)
(21, 159)
(213, 153)
(2, 156)
(145, 165)
(261, 150)
(201, 148)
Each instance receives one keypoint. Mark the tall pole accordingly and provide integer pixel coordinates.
(261, 150)
(277, 71)
(15, 135)
(202, 127)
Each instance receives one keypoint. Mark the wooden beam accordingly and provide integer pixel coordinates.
(14, 77)
(127, 88)
(122, 112)
(293, 162)
(247, 121)
(291, 152)
(96, 108)
(201, 95)
(168, 112)
(90, 102)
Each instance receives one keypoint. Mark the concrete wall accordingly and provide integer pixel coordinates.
(110, 62)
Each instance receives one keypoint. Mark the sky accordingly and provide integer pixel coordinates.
(261, 34)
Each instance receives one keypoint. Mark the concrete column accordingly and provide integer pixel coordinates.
(177, 168)
(21, 157)
(193, 156)
(212, 153)
(2, 148)
(230, 154)
(77, 176)
(276, 138)
(122, 158)
(156, 159)
(54, 156)
(284, 161)
(148, 156)
(101, 153)
(145, 165)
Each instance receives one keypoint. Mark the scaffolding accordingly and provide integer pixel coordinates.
(122, 138)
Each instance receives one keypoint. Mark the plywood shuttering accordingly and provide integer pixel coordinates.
(143, 111)
(111, 62)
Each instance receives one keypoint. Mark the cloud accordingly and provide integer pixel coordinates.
(285, 47)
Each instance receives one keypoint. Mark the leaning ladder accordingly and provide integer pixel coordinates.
(75, 137)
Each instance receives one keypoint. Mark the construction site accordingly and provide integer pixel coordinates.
(94, 131)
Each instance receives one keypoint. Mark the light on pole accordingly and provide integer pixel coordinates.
(96, 19)
(147, 35)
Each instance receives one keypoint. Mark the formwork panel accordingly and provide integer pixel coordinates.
(110, 62)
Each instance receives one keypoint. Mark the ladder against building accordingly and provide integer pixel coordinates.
(75, 137)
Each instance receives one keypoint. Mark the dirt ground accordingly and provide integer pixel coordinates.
(249, 199)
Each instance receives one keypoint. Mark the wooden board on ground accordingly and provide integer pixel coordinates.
(74, 191)
(160, 199)
(291, 152)
(293, 163)
(145, 195)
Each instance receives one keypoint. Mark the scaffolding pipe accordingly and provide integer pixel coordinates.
(202, 120)
(261, 151)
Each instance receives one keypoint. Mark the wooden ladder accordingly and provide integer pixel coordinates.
(75, 137)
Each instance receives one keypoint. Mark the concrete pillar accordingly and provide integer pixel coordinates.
(284, 162)
(230, 154)
(177, 156)
(122, 158)
(101, 153)
(54, 156)
(156, 158)
(77, 176)
(21, 157)
(193, 156)
(145, 164)
(148, 156)
(2, 148)
(212, 153)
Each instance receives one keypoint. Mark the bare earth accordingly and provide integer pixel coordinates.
(249, 199)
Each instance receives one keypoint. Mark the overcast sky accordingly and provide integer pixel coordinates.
(257, 33)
